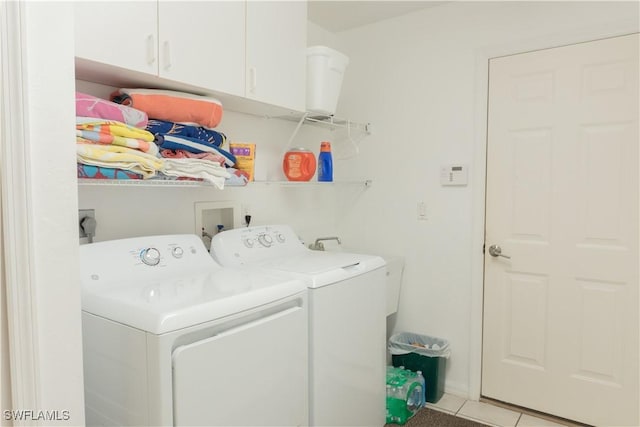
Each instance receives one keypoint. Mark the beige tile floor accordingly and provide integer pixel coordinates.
(492, 414)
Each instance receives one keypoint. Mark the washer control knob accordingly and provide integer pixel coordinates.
(150, 256)
(248, 242)
(265, 240)
(177, 252)
(280, 237)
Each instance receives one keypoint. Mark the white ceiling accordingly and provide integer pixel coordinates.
(338, 16)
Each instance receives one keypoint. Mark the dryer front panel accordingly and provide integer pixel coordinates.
(254, 373)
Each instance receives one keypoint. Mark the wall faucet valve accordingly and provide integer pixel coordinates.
(319, 246)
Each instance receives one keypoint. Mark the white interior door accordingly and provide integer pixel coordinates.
(561, 315)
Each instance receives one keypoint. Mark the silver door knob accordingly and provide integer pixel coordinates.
(496, 251)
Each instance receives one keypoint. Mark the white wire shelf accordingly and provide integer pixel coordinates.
(328, 122)
(354, 131)
(145, 183)
(186, 183)
(332, 123)
(365, 183)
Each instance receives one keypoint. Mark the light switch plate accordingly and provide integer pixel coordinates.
(422, 211)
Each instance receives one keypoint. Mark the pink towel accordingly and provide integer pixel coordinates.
(91, 106)
(183, 154)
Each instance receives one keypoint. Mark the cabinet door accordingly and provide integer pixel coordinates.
(124, 34)
(202, 43)
(276, 52)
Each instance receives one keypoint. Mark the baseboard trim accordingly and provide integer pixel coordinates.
(532, 412)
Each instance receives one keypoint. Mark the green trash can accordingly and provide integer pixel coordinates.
(422, 353)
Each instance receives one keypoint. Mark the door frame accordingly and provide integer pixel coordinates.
(482, 57)
(39, 206)
(20, 302)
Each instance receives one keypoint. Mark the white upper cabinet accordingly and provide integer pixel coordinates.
(202, 43)
(124, 34)
(276, 52)
(253, 49)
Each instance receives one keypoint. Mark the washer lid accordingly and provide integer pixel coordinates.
(324, 268)
(277, 247)
(164, 306)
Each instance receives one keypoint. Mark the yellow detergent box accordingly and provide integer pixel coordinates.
(245, 153)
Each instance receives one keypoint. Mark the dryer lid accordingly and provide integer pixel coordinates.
(176, 293)
(163, 306)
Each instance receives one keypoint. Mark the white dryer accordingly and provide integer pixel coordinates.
(172, 338)
(347, 319)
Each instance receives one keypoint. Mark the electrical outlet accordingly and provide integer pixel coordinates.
(246, 215)
(82, 214)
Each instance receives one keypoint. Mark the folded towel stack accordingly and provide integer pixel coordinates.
(117, 141)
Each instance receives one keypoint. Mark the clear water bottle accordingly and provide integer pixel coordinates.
(325, 163)
(424, 387)
(414, 397)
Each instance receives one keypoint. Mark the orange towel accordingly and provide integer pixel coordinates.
(172, 106)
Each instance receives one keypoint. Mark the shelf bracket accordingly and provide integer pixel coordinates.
(296, 130)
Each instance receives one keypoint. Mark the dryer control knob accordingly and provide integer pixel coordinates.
(177, 252)
(150, 256)
(280, 237)
(265, 240)
(248, 242)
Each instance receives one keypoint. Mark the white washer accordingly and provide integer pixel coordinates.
(172, 338)
(347, 319)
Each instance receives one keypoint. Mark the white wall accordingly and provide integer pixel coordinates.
(39, 214)
(5, 378)
(54, 255)
(316, 35)
(421, 80)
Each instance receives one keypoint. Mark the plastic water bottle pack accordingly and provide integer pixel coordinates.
(405, 394)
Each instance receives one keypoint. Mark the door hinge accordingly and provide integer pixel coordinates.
(483, 245)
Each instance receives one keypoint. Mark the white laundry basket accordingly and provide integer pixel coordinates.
(325, 70)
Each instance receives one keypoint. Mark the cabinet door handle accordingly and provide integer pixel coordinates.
(167, 54)
(151, 49)
(253, 79)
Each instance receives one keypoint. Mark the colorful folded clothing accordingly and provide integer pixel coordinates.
(173, 142)
(178, 107)
(196, 168)
(182, 154)
(164, 127)
(238, 178)
(115, 133)
(98, 172)
(91, 106)
(114, 156)
(162, 177)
